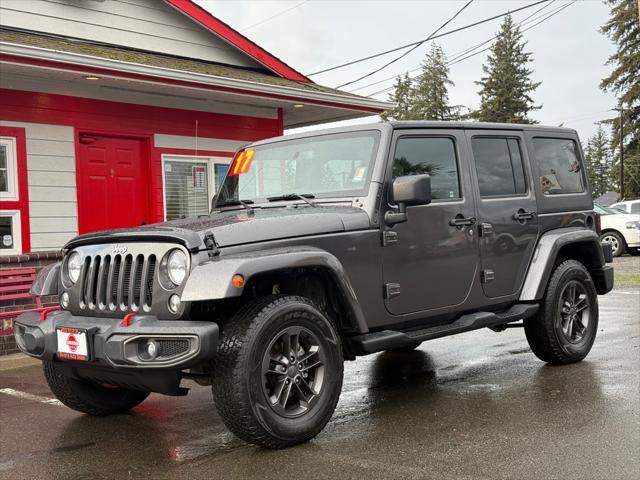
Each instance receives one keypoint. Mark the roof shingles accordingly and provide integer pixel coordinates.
(83, 47)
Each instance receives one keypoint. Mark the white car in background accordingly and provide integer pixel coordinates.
(620, 230)
(628, 206)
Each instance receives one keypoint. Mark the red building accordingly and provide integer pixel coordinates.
(118, 113)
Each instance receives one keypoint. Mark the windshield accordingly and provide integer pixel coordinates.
(332, 165)
(599, 209)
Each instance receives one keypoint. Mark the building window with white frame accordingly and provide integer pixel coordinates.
(10, 237)
(8, 169)
(190, 183)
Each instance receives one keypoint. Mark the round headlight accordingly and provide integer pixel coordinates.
(74, 265)
(177, 267)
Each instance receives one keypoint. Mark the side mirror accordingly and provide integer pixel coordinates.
(408, 191)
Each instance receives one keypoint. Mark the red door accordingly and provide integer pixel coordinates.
(112, 185)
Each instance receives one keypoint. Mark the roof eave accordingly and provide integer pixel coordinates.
(227, 33)
(90, 64)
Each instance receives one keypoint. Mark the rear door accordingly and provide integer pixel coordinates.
(507, 216)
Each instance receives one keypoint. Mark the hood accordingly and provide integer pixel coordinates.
(237, 227)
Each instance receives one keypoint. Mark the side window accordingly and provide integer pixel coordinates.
(8, 169)
(559, 165)
(499, 166)
(433, 155)
(635, 207)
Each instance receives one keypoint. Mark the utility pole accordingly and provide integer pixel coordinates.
(621, 152)
(621, 110)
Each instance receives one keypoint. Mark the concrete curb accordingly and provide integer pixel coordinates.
(16, 360)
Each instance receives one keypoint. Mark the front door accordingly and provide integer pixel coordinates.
(508, 222)
(112, 188)
(434, 257)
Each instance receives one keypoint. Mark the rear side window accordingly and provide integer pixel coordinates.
(499, 166)
(433, 155)
(559, 166)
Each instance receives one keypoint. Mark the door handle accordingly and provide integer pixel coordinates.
(459, 221)
(522, 216)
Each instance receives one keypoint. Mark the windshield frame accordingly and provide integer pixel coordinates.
(374, 133)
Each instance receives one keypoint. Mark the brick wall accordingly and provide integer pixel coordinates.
(35, 260)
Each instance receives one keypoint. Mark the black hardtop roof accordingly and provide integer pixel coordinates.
(476, 125)
(424, 124)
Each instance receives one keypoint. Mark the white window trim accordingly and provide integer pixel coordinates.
(210, 162)
(16, 229)
(12, 170)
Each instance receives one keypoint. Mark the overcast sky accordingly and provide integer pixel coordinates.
(569, 53)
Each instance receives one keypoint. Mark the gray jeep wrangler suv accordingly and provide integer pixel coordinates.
(321, 247)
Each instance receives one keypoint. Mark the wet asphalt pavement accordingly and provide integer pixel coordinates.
(476, 405)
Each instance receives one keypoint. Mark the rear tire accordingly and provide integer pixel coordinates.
(618, 245)
(564, 329)
(88, 397)
(278, 371)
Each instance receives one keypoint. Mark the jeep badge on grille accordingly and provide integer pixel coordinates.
(119, 249)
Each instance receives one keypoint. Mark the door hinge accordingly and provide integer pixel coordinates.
(487, 276)
(389, 238)
(486, 229)
(391, 290)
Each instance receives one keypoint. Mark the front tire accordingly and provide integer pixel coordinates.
(88, 397)
(278, 371)
(618, 245)
(565, 327)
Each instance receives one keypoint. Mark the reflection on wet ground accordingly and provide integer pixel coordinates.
(478, 405)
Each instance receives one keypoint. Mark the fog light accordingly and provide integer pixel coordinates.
(174, 303)
(148, 350)
(64, 300)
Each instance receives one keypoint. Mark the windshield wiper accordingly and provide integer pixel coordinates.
(294, 196)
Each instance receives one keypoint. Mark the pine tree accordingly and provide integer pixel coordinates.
(430, 92)
(600, 163)
(402, 97)
(623, 28)
(505, 93)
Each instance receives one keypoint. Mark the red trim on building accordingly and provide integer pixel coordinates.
(103, 117)
(194, 153)
(280, 121)
(235, 38)
(120, 118)
(23, 185)
(184, 83)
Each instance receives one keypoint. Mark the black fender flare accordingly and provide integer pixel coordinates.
(212, 279)
(546, 253)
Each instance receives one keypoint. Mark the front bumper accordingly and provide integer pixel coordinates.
(115, 349)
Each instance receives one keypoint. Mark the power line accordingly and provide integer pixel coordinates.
(449, 63)
(282, 12)
(456, 55)
(410, 50)
(449, 32)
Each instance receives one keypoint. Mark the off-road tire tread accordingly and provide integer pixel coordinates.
(540, 331)
(66, 390)
(230, 399)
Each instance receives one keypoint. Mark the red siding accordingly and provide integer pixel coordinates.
(138, 121)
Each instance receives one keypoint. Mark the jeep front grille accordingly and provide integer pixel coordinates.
(117, 282)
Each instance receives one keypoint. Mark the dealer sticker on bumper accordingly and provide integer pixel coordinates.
(72, 344)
